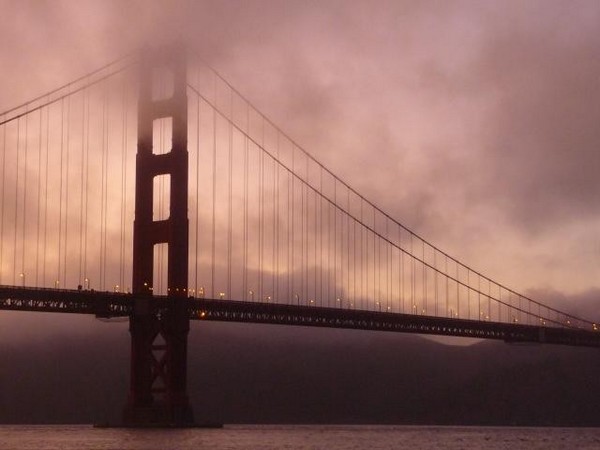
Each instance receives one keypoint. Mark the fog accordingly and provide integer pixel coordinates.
(473, 123)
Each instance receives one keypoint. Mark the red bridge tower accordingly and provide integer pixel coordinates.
(158, 393)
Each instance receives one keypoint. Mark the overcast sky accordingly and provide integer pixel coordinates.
(473, 123)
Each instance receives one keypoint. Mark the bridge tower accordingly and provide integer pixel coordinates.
(158, 392)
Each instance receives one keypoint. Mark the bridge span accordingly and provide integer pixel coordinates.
(115, 304)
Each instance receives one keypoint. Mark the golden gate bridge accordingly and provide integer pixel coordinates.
(152, 190)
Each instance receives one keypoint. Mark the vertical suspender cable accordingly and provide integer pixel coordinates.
(479, 296)
(435, 279)
(328, 204)
(321, 268)
(447, 287)
(246, 154)
(489, 313)
(275, 237)
(307, 233)
(317, 237)
(342, 262)
(400, 271)
(39, 195)
(347, 217)
(263, 221)
(81, 183)
(214, 195)
(424, 279)
(60, 191)
(468, 293)
(64, 284)
(368, 252)
(16, 201)
(45, 245)
(85, 207)
(293, 243)
(412, 276)
(122, 199)
(387, 266)
(302, 242)
(230, 200)
(3, 201)
(105, 135)
(100, 265)
(376, 242)
(197, 217)
(457, 293)
(124, 186)
(23, 231)
(335, 293)
(362, 255)
(277, 219)
(354, 261)
(261, 170)
(290, 291)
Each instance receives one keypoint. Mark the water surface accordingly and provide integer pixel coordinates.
(232, 437)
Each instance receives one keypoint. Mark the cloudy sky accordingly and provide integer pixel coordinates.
(473, 123)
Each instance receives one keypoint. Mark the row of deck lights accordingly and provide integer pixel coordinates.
(268, 298)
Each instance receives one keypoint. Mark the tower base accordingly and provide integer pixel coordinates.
(158, 416)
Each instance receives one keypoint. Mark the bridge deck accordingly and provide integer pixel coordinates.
(112, 304)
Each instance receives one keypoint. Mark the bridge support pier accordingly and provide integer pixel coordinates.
(158, 385)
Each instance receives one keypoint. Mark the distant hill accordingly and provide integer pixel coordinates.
(240, 373)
